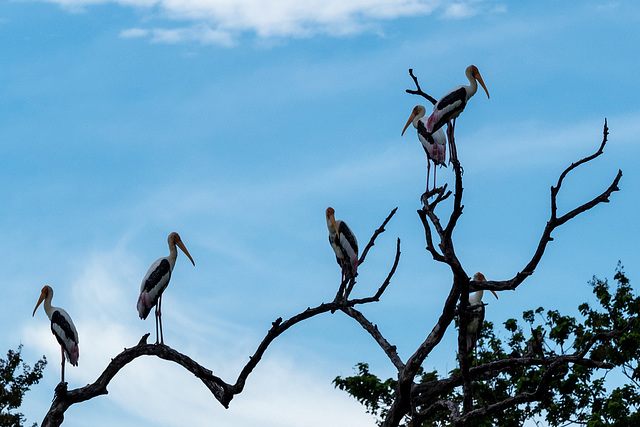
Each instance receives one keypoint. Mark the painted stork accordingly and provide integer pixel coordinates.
(476, 314)
(434, 144)
(157, 279)
(62, 328)
(345, 245)
(449, 107)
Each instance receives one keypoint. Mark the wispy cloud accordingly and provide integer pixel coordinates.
(222, 22)
(102, 303)
(199, 33)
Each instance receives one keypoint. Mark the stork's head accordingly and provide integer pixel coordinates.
(331, 220)
(176, 240)
(479, 277)
(473, 71)
(418, 112)
(44, 293)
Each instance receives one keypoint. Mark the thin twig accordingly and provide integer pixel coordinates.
(419, 91)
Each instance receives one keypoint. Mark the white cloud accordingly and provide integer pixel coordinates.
(222, 21)
(133, 33)
(459, 11)
(198, 33)
(469, 9)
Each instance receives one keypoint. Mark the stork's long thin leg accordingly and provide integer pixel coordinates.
(62, 351)
(428, 167)
(435, 168)
(453, 153)
(341, 289)
(157, 317)
(160, 319)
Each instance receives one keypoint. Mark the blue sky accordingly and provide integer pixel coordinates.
(236, 123)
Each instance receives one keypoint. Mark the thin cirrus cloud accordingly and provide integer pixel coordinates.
(222, 22)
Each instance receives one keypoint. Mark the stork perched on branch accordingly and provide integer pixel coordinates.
(345, 246)
(434, 143)
(62, 328)
(156, 280)
(476, 314)
(449, 107)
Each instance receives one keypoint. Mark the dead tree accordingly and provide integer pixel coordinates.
(411, 399)
(409, 396)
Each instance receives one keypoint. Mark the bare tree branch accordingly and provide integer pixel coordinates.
(384, 285)
(462, 285)
(555, 222)
(63, 398)
(223, 391)
(390, 350)
(419, 91)
(376, 233)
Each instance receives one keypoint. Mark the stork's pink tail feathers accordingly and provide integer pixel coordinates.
(73, 354)
(144, 305)
(431, 122)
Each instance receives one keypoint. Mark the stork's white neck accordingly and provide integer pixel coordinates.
(476, 298)
(473, 84)
(173, 254)
(48, 308)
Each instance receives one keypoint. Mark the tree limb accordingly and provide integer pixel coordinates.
(63, 398)
(462, 284)
(554, 222)
(390, 350)
(222, 391)
(419, 91)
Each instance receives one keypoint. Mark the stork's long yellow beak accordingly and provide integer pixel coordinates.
(411, 117)
(184, 249)
(479, 79)
(43, 295)
(335, 225)
(494, 294)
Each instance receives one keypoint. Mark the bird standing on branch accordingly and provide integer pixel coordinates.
(157, 279)
(476, 314)
(449, 107)
(345, 246)
(62, 328)
(434, 144)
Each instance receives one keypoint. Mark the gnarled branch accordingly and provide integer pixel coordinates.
(555, 221)
(444, 252)
(222, 391)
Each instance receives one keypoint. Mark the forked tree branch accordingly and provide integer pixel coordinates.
(444, 252)
(555, 221)
(419, 91)
(222, 391)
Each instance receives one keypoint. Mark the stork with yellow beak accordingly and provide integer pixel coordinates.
(476, 314)
(449, 107)
(62, 328)
(156, 281)
(345, 246)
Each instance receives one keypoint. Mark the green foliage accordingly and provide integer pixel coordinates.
(368, 389)
(14, 384)
(605, 339)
